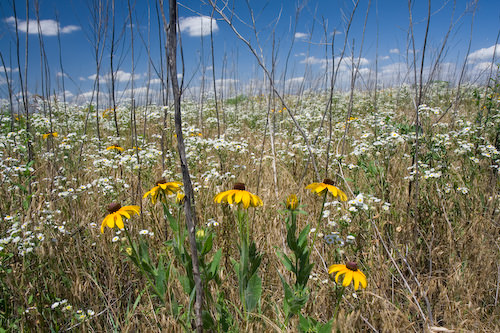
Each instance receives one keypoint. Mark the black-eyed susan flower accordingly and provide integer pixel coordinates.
(53, 134)
(239, 195)
(327, 185)
(115, 147)
(352, 273)
(163, 187)
(292, 202)
(116, 211)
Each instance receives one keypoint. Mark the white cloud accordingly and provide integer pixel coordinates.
(3, 69)
(395, 68)
(384, 58)
(47, 27)
(59, 74)
(120, 76)
(226, 82)
(197, 26)
(295, 80)
(482, 67)
(485, 53)
(155, 81)
(300, 35)
(394, 51)
(313, 61)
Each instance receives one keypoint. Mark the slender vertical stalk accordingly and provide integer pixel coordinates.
(213, 73)
(189, 208)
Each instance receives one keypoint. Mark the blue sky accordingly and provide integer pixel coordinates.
(387, 19)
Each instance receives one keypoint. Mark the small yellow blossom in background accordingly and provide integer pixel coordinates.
(116, 211)
(129, 251)
(327, 185)
(106, 114)
(239, 194)
(163, 187)
(352, 273)
(200, 233)
(292, 202)
(179, 199)
(115, 147)
(53, 134)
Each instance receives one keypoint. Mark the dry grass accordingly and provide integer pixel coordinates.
(441, 257)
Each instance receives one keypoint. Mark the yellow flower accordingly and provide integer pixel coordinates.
(352, 273)
(179, 199)
(292, 202)
(200, 233)
(106, 114)
(115, 147)
(116, 211)
(54, 134)
(163, 187)
(327, 185)
(129, 251)
(239, 194)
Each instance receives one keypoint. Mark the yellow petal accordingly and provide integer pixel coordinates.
(334, 268)
(230, 195)
(110, 220)
(131, 209)
(255, 200)
(342, 196)
(246, 199)
(347, 278)
(332, 189)
(146, 194)
(238, 195)
(356, 281)
(124, 213)
(218, 197)
(119, 221)
(103, 224)
(338, 274)
(312, 186)
(362, 279)
(320, 188)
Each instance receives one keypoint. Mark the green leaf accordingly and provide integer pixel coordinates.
(286, 261)
(303, 235)
(304, 323)
(208, 244)
(214, 265)
(326, 328)
(253, 292)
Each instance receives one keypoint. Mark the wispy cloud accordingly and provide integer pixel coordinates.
(312, 60)
(394, 51)
(197, 26)
(301, 35)
(485, 53)
(47, 27)
(8, 69)
(120, 76)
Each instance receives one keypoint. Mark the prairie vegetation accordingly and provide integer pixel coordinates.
(417, 164)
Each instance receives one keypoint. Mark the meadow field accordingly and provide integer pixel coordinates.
(286, 179)
(430, 257)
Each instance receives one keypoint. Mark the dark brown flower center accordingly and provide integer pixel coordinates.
(161, 181)
(114, 207)
(351, 265)
(328, 181)
(239, 186)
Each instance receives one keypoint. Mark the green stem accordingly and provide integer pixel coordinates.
(143, 272)
(319, 219)
(339, 300)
